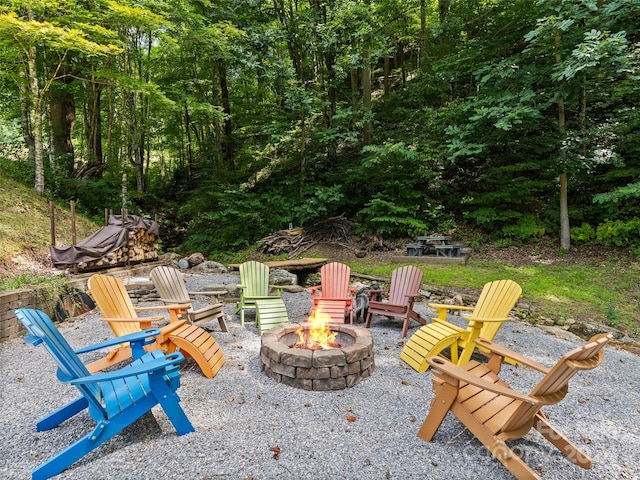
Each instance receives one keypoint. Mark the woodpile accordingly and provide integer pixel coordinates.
(142, 246)
(294, 242)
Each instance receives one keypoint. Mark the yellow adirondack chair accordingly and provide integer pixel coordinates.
(496, 301)
(172, 288)
(495, 413)
(333, 297)
(403, 290)
(112, 299)
(254, 285)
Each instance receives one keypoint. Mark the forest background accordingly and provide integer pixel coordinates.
(229, 119)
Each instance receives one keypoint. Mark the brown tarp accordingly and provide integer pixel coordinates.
(108, 239)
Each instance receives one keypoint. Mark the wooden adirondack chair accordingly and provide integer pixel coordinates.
(334, 293)
(112, 299)
(403, 290)
(254, 285)
(496, 301)
(495, 413)
(115, 399)
(172, 288)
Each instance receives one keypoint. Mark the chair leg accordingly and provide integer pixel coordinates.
(566, 446)
(56, 418)
(367, 323)
(440, 405)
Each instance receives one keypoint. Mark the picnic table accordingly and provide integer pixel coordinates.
(434, 245)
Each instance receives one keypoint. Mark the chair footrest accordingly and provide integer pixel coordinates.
(270, 313)
(426, 342)
(199, 344)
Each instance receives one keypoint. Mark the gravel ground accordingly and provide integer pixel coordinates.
(241, 416)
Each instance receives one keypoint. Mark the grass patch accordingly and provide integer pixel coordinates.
(606, 293)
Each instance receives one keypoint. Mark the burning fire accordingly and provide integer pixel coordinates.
(318, 336)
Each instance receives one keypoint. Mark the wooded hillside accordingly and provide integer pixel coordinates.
(232, 119)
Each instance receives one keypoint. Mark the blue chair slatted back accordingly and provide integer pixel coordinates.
(42, 331)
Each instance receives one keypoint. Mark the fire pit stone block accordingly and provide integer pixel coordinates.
(329, 358)
(331, 369)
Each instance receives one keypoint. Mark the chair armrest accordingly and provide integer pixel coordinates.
(504, 352)
(485, 320)
(441, 306)
(137, 320)
(144, 337)
(157, 364)
(170, 301)
(213, 292)
(447, 368)
(177, 306)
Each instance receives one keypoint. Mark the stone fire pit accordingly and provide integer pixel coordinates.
(330, 369)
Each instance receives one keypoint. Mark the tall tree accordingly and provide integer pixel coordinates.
(32, 27)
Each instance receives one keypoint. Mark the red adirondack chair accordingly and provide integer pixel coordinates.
(405, 283)
(334, 290)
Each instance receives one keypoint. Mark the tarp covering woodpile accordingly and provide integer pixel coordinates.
(114, 237)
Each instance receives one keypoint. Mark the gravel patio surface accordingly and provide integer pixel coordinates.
(250, 427)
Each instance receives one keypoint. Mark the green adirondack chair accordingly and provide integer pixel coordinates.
(254, 285)
(115, 399)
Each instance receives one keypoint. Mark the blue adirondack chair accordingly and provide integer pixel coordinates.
(114, 399)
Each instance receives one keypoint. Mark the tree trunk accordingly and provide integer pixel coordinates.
(62, 117)
(25, 119)
(565, 228)
(367, 131)
(37, 120)
(93, 124)
(226, 106)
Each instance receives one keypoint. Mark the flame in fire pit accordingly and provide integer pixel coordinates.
(318, 336)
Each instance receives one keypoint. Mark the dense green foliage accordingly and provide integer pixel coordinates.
(229, 119)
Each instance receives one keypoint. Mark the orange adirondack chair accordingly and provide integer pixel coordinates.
(403, 290)
(112, 299)
(333, 297)
(496, 301)
(495, 413)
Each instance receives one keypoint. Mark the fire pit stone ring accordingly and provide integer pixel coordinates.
(330, 369)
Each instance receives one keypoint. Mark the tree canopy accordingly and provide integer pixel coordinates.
(228, 119)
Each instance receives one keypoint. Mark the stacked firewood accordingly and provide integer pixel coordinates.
(142, 246)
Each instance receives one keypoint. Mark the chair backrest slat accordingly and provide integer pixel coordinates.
(404, 280)
(113, 300)
(70, 367)
(334, 280)
(554, 386)
(170, 284)
(497, 299)
(255, 277)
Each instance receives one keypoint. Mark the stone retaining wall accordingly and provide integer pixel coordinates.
(10, 327)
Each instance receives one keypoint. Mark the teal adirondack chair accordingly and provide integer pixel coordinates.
(254, 285)
(114, 399)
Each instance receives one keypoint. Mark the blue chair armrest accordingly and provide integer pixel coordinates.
(157, 364)
(136, 339)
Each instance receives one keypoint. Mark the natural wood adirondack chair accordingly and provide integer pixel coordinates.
(403, 290)
(333, 297)
(495, 413)
(112, 299)
(496, 301)
(254, 285)
(114, 400)
(172, 288)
